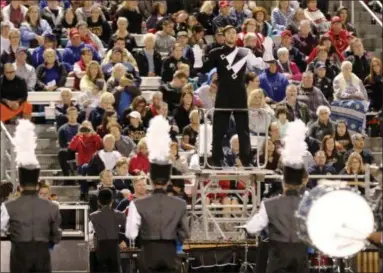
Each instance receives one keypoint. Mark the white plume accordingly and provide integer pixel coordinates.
(25, 144)
(158, 139)
(295, 146)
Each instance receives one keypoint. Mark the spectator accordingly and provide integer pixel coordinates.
(68, 22)
(62, 108)
(135, 129)
(171, 63)
(127, 57)
(97, 114)
(24, 70)
(98, 25)
(253, 42)
(94, 78)
(124, 144)
(106, 179)
(122, 32)
(172, 91)
(45, 192)
(117, 57)
(342, 137)
(33, 28)
(180, 21)
(185, 68)
(358, 147)
(360, 59)
(85, 10)
(139, 105)
(89, 38)
(252, 82)
(205, 18)
(338, 35)
(304, 40)
(149, 60)
(269, 155)
(219, 41)
(65, 135)
(323, 126)
(129, 10)
(310, 95)
(38, 53)
(374, 84)
(51, 74)
(231, 155)
(342, 13)
(354, 166)
(110, 116)
(122, 169)
(294, 24)
(178, 161)
(139, 192)
(273, 83)
(333, 157)
(140, 162)
(187, 51)
(288, 68)
(14, 12)
(104, 159)
(316, 16)
(239, 13)
(158, 12)
(5, 28)
(224, 18)
(182, 111)
(275, 136)
(207, 94)
(81, 66)
(260, 117)
(53, 13)
(322, 56)
(249, 26)
(190, 132)
(282, 15)
(261, 16)
(123, 87)
(14, 94)
(9, 54)
(295, 108)
(320, 168)
(322, 82)
(295, 55)
(174, 131)
(283, 123)
(164, 38)
(153, 109)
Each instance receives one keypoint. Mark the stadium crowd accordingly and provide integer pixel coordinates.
(314, 68)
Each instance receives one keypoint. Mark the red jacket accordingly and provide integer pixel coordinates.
(314, 53)
(85, 146)
(339, 41)
(295, 72)
(139, 162)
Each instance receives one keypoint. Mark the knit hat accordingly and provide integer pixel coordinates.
(26, 160)
(158, 142)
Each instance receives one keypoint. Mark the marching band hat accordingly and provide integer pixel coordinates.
(227, 28)
(160, 173)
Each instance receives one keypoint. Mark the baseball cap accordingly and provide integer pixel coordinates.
(336, 19)
(182, 33)
(228, 27)
(286, 33)
(135, 114)
(74, 32)
(320, 65)
(223, 4)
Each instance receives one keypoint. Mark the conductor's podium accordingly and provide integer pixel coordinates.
(72, 254)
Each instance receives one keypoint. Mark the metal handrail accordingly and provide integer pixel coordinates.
(5, 135)
(364, 5)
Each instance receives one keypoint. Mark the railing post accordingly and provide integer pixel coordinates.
(367, 174)
(13, 169)
(352, 12)
(3, 159)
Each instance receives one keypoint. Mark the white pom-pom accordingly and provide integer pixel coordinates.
(295, 146)
(158, 139)
(25, 144)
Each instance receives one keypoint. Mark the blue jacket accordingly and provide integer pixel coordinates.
(44, 3)
(38, 56)
(27, 34)
(72, 54)
(274, 85)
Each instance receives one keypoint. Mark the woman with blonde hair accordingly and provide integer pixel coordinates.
(205, 17)
(33, 28)
(122, 32)
(140, 162)
(129, 10)
(260, 117)
(93, 79)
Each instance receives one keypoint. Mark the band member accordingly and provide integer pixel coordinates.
(33, 223)
(231, 62)
(286, 252)
(106, 224)
(159, 219)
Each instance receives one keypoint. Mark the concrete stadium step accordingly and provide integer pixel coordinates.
(48, 161)
(66, 193)
(47, 146)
